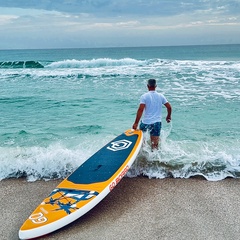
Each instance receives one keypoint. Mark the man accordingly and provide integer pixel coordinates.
(151, 104)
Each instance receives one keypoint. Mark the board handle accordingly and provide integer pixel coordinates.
(131, 132)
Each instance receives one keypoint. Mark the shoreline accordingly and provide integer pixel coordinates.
(138, 208)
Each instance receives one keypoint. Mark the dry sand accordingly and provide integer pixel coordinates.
(138, 208)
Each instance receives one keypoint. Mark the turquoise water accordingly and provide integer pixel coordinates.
(58, 107)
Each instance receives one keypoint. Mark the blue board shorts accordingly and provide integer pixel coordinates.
(154, 128)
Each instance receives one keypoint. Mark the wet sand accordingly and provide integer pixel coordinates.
(138, 208)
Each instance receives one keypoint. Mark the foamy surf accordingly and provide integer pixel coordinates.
(185, 159)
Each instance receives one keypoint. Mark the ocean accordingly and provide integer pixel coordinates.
(60, 106)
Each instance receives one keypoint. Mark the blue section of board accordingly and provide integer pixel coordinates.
(59, 196)
(104, 163)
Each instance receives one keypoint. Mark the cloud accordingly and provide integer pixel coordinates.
(123, 7)
(5, 19)
(87, 23)
(133, 9)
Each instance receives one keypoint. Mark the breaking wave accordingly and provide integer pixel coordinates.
(175, 159)
(100, 62)
(21, 64)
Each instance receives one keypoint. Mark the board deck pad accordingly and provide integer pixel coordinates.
(85, 187)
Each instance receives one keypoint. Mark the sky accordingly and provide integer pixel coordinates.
(37, 24)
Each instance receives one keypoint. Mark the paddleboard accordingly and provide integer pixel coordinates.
(85, 187)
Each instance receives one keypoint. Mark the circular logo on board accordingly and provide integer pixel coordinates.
(119, 145)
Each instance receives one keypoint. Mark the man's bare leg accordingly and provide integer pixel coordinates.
(154, 142)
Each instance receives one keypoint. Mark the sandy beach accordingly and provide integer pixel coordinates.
(138, 208)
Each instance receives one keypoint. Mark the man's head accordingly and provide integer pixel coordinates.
(152, 83)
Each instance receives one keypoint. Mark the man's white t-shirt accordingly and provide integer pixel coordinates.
(153, 106)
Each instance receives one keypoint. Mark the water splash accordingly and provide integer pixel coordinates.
(185, 159)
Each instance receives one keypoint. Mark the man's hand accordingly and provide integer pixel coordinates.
(169, 110)
(168, 119)
(135, 125)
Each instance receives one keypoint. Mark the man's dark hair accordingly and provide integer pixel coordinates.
(152, 83)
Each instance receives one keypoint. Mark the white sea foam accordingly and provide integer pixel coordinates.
(55, 161)
(95, 63)
(178, 159)
(185, 160)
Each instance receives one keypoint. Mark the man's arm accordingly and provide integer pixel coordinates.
(169, 111)
(139, 115)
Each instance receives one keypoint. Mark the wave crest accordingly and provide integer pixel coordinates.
(100, 62)
(21, 64)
